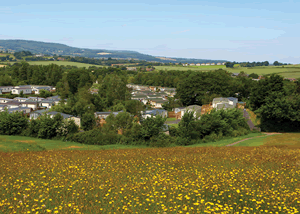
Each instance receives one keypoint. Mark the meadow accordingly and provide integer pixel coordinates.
(65, 63)
(170, 180)
(288, 71)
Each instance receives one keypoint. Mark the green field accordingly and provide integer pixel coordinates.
(20, 143)
(65, 63)
(288, 71)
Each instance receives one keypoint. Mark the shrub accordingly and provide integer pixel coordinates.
(12, 123)
(162, 140)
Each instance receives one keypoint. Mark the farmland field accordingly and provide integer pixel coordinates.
(289, 71)
(169, 180)
(65, 63)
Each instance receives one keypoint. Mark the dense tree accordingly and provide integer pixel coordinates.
(266, 86)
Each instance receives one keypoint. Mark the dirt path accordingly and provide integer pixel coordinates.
(266, 134)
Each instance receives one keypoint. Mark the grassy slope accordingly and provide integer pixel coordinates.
(20, 143)
(285, 139)
(78, 64)
(227, 141)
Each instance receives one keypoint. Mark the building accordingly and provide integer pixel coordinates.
(193, 108)
(104, 115)
(26, 90)
(153, 113)
(207, 64)
(6, 89)
(35, 114)
(65, 116)
(224, 103)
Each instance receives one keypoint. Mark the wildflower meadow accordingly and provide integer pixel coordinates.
(168, 180)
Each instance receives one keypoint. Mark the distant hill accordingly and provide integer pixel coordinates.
(61, 49)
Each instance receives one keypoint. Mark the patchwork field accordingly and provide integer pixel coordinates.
(171, 180)
(65, 63)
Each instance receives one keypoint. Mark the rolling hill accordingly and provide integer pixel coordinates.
(61, 49)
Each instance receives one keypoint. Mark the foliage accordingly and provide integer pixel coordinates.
(88, 121)
(280, 113)
(211, 126)
(45, 93)
(198, 85)
(151, 126)
(12, 123)
(264, 88)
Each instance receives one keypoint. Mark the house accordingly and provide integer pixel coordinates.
(65, 116)
(203, 64)
(6, 89)
(47, 103)
(158, 102)
(198, 64)
(37, 89)
(193, 108)
(176, 113)
(223, 63)
(219, 63)
(21, 99)
(6, 100)
(235, 74)
(32, 105)
(229, 101)
(60, 59)
(212, 64)
(207, 64)
(163, 113)
(104, 115)
(35, 99)
(13, 104)
(192, 64)
(24, 110)
(26, 90)
(35, 114)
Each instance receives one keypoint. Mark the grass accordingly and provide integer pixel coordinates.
(278, 140)
(20, 143)
(65, 63)
(171, 119)
(168, 180)
(227, 141)
(288, 71)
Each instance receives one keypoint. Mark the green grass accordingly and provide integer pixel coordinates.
(20, 143)
(227, 141)
(65, 63)
(174, 125)
(253, 142)
(171, 119)
(288, 71)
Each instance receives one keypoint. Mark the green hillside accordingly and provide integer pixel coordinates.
(61, 49)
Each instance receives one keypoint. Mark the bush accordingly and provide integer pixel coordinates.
(162, 140)
(96, 137)
(12, 123)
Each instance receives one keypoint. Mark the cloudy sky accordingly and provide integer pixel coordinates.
(229, 30)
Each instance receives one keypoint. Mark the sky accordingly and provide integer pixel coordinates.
(231, 30)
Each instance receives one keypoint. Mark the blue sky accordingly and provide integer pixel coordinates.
(229, 30)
